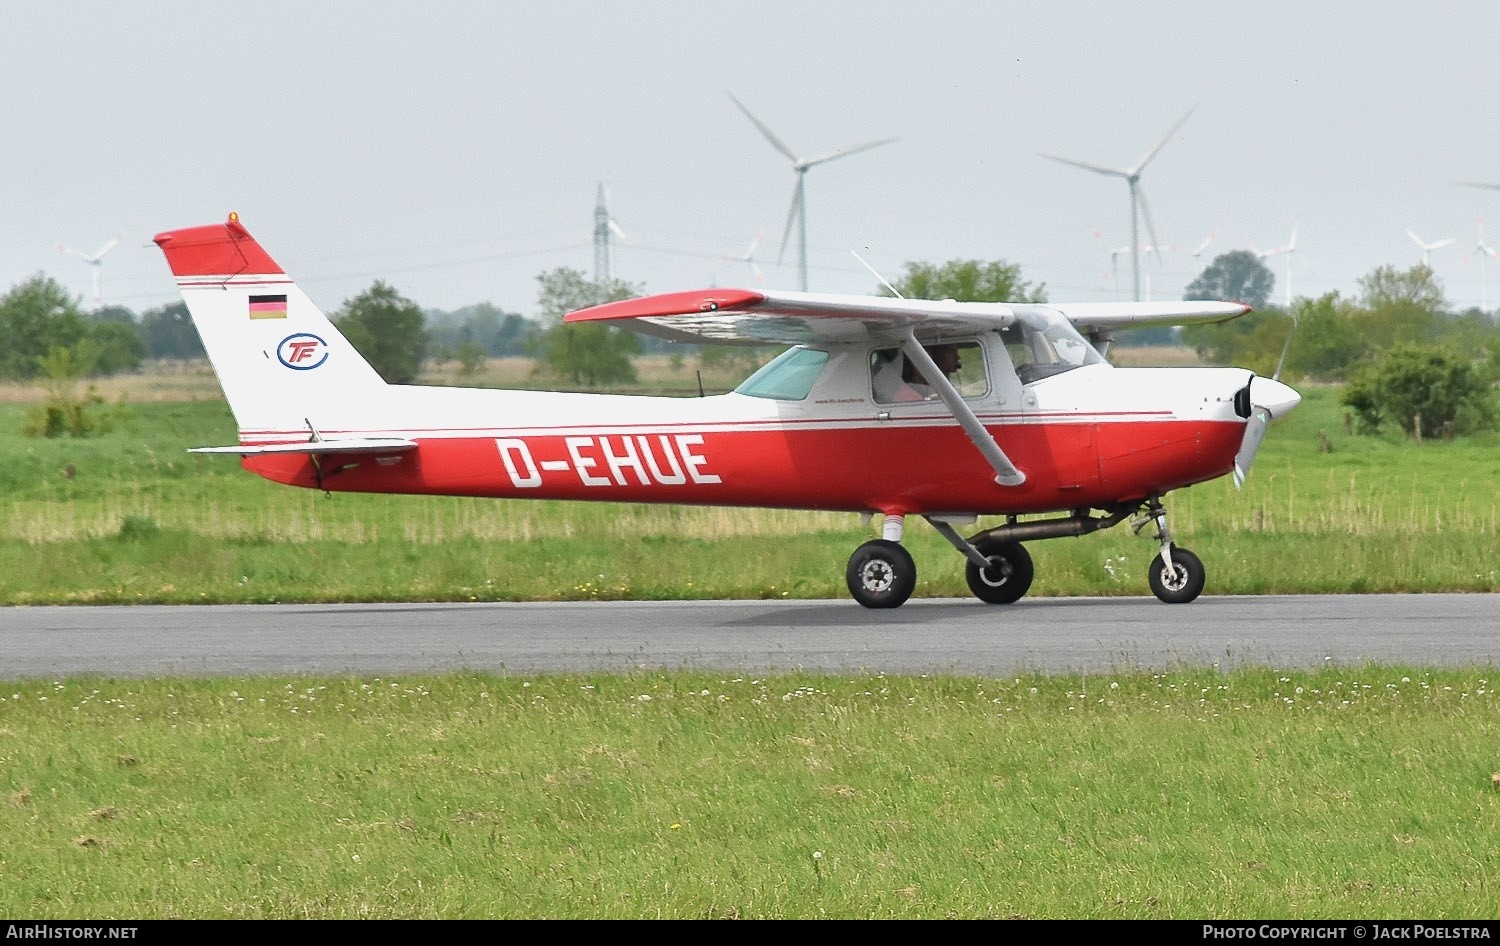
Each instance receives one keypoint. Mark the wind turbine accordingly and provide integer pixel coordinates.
(1427, 248)
(1287, 251)
(798, 210)
(748, 258)
(95, 263)
(1487, 186)
(1132, 176)
(1485, 251)
(1204, 245)
(1153, 249)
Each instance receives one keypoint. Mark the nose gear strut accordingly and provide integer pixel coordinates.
(1176, 575)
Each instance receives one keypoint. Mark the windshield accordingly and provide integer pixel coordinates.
(787, 377)
(1043, 344)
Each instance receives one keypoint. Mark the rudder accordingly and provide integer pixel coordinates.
(282, 363)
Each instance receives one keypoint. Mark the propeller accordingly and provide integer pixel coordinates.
(1255, 431)
(1286, 346)
(1266, 399)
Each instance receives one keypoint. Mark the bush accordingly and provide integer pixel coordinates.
(1416, 384)
(67, 411)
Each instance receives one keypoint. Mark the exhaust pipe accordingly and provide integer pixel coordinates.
(1081, 524)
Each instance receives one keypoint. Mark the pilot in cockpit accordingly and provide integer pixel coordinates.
(913, 386)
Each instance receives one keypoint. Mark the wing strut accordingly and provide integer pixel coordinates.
(1006, 473)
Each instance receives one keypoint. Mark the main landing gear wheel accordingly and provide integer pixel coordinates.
(1180, 585)
(881, 574)
(1007, 576)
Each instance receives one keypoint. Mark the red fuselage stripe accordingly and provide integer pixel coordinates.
(907, 469)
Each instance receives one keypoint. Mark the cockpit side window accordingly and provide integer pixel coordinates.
(894, 378)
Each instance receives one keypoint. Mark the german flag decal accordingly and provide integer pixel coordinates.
(268, 307)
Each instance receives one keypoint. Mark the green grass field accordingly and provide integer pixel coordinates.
(1256, 795)
(1368, 793)
(132, 517)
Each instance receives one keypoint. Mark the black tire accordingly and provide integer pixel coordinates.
(1179, 588)
(1008, 575)
(881, 574)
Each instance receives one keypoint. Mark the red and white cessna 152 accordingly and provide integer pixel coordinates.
(856, 415)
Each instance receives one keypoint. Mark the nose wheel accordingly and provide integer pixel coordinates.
(881, 574)
(1176, 575)
(1182, 582)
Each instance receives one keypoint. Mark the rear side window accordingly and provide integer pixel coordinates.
(789, 376)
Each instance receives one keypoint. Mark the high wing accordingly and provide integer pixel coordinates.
(747, 317)
(1105, 316)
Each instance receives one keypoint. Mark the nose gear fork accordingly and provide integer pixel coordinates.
(1157, 513)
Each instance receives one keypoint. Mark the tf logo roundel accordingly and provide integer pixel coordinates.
(303, 351)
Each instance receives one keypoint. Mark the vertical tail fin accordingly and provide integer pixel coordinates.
(281, 362)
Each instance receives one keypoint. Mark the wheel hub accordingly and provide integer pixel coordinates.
(996, 573)
(876, 576)
(1174, 578)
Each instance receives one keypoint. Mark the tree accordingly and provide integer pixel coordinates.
(1400, 305)
(1327, 341)
(1251, 341)
(589, 353)
(387, 328)
(36, 316)
(470, 356)
(1236, 276)
(168, 332)
(1414, 289)
(496, 332)
(1408, 382)
(113, 313)
(968, 281)
(1470, 331)
(116, 347)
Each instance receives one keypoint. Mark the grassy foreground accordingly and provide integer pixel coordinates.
(1337, 794)
(132, 517)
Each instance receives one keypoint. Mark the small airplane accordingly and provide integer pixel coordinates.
(855, 415)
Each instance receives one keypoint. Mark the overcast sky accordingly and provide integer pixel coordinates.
(454, 149)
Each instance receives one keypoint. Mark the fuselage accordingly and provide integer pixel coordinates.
(1090, 437)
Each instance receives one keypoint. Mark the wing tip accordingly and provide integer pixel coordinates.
(690, 302)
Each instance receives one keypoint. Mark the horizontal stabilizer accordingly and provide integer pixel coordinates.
(371, 445)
